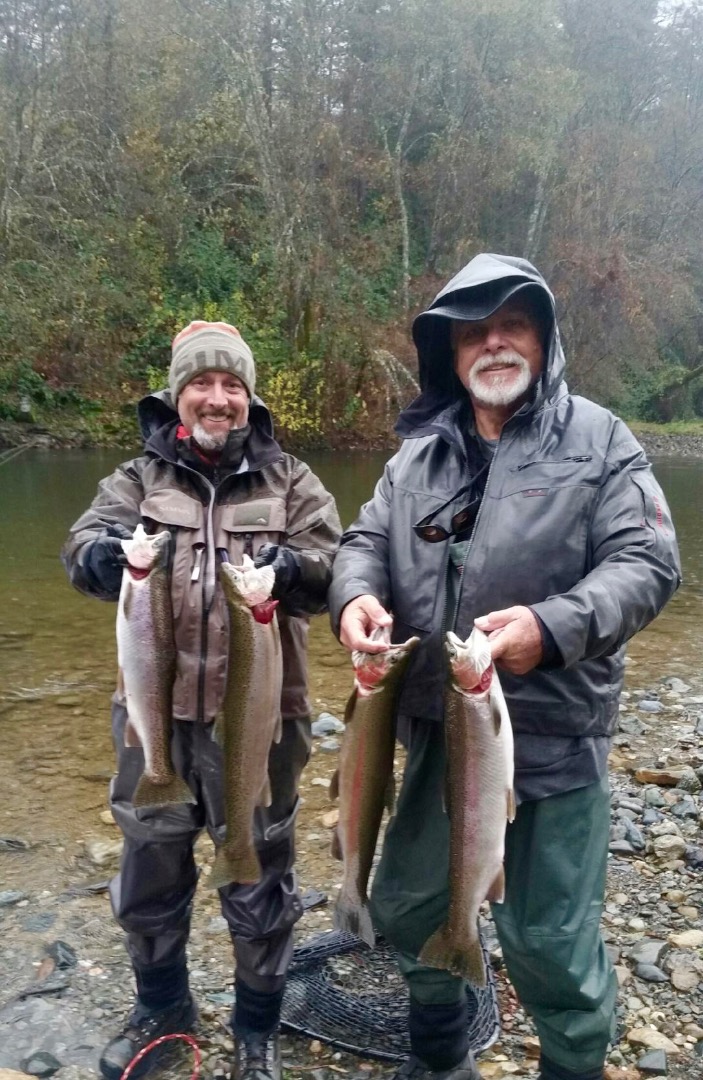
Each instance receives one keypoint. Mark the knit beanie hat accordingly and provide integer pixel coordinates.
(209, 346)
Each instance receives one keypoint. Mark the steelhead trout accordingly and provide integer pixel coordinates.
(364, 782)
(146, 655)
(251, 716)
(479, 800)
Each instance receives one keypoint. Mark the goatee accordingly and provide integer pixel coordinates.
(210, 440)
(497, 389)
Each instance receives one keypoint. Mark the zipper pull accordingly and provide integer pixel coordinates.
(197, 566)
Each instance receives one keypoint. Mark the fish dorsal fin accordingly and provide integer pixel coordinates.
(511, 809)
(131, 735)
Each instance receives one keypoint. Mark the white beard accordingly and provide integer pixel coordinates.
(207, 440)
(501, 390)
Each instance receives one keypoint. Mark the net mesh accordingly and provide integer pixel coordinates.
(344, 993)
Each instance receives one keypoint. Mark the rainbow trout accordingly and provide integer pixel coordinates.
(479, 801)
(364, 781)
(146, 655)
(251, 717)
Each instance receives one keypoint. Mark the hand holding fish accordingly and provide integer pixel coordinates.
(360, 618)
(515, 638)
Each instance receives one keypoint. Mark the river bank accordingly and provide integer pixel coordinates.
(16, 436)
(66, 980)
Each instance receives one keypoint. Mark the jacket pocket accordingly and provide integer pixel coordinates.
(183, 516)
(244, 527)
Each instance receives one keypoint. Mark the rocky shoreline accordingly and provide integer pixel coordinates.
(66, 982)
(17, 436)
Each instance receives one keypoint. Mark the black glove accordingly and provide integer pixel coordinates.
(285, 563)
(104, 560)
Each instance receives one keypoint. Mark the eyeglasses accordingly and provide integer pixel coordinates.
(461, 522)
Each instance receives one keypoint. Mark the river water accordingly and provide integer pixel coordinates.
(57, 648)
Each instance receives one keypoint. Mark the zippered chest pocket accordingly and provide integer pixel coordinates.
(549, 473)
(243, 527)
(184, 517)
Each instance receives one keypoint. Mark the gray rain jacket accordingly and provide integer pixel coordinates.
(572, 523)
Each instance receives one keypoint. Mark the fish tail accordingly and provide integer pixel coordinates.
(240, 868)
(354, 916)
(147, 793)
(465, 960)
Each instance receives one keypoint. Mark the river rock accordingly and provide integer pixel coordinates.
(649, 705)
(103, 851)
(660, 777)
(41, 1064)
(653, 1064)
(9, 897)
(689, 780)
(331, 746)
(326, 724)
(685, 979)
(653, 1039)
(689, 939)
(668, 847)
(677, 686)
(651, 973)
(648, 951)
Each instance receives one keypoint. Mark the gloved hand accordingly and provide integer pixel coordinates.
(285, 563)
(104, 559)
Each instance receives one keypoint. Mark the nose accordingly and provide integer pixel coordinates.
(494, 339)
(217, 395)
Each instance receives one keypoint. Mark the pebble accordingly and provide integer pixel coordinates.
(10, 896)
(326, 724)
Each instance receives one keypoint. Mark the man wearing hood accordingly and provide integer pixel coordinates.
(516, 507)
(214, 476)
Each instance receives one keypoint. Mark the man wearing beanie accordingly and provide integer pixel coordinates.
(212, 474)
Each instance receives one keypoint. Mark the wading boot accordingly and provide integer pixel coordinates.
(257, 1056)
(143, 1026)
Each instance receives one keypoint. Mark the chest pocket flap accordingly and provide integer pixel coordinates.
(258, 515)
(171, 507)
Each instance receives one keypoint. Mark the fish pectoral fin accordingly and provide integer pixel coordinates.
(120, 681)
(336, 846)
(278, 731)
(512, 808)
(218, 731)
(496, 893)
(496, 713)
(131, 735)
(334, 785)
(349, 708)
(265, 797)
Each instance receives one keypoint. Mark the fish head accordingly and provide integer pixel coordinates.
(145, 552)
(470, 661)
(373, 670)
(247, 583)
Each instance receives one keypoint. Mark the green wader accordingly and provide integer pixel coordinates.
(549, 924)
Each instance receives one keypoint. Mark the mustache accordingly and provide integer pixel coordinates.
(509, 357)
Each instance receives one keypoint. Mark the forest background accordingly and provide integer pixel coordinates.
(314, 170)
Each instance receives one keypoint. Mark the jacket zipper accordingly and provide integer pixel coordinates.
(462, 576)
(554, 461)
(207, 559)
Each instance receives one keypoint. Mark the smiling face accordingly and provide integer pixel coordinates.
(211, 404)
(499, 358)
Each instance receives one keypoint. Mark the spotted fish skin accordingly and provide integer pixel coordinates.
(146, 655)
(479, 800)
(364, 782)
(251, 716)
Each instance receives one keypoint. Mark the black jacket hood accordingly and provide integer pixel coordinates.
(475, 293)
(158, 420)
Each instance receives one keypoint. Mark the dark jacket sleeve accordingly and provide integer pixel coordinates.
(312, 533)
(633, 556)
(117, 502)
(361, 565)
